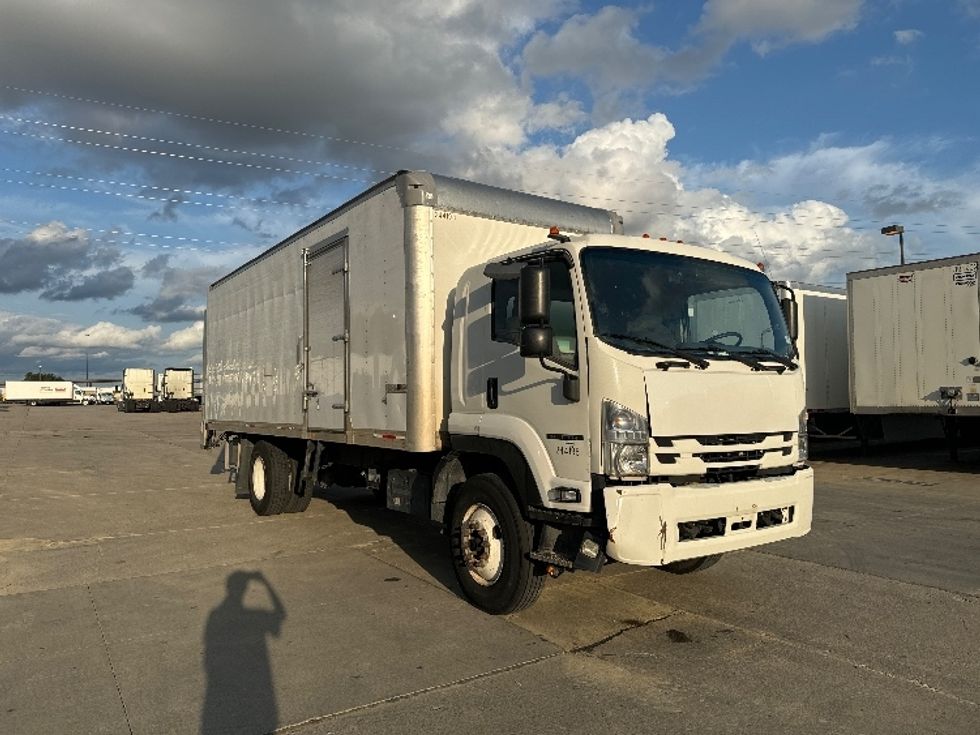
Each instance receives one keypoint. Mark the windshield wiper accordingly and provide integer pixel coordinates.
(740, 356)
(684, 355)
(770, 355)
(754, 364)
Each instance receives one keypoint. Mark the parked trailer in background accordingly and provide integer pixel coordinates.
(40, 392)
(139, 390)
(178, 390)
(915, 343)
(823, 356)
(549, 400)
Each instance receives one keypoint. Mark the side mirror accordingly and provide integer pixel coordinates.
(534, 307)
(790, 311)
(535, 296)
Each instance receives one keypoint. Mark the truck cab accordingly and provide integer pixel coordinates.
(651, 389)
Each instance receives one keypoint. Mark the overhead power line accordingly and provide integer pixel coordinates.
(153, 187)
(184, 156)
(185, 144)
(205, 118)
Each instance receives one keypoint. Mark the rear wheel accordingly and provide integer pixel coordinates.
(297, 503)
(272, 476)
(687, 566)
(490, 546)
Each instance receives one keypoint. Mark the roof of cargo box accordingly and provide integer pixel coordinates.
(919, 265)
(801, 286)
(468, 197)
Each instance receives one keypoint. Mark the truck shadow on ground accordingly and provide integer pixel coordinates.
(419, 539)
(924, 455)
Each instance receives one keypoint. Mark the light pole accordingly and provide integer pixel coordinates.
(86, 361)
(900, 231)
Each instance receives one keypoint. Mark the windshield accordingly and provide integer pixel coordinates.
(661, 303)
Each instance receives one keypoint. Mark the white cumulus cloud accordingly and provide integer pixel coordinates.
(907, 36)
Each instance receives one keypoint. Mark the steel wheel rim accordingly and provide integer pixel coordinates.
(482, 544)
(258, 478)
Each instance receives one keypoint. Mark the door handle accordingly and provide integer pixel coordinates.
(492, 391)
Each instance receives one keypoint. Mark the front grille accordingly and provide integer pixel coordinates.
(730, 474)
(753, 455)
(728, 439)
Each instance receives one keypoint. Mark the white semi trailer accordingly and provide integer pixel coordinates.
(39, 392)
(177, 390)
(549, 400)
(914, 334)
(139, 390)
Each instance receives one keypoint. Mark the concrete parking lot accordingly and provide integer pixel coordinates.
(138, 596)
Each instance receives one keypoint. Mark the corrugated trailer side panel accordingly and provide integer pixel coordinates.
(823, 348)
(377, 314)
(912, 332)
(256, 367)
(254, 370)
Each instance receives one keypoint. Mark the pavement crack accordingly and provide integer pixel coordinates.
(108, 656)
(416, 692)
(632, 625)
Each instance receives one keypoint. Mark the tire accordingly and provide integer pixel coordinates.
(297, 503)
(271, 477)
(688, 566)
(490, 543)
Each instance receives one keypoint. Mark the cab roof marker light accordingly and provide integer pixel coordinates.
(555, 234)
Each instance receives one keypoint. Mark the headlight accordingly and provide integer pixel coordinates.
(626, 436)
(803, 438)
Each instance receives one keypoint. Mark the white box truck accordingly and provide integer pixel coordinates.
(139, 390)
(822, 344)
(39, 392)
(549, 399)
(177, 390)
(915, 343)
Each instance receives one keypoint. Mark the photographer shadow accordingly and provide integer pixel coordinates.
(240, 695)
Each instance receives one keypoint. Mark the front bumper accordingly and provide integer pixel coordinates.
(644, 521)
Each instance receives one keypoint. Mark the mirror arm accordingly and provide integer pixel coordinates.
(570, 380)
(557, 368)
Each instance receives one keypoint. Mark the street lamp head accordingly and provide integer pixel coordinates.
(892, 230)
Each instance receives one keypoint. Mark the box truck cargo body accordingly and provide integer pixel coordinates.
(36, 392)
(915, 341)
(139, 390)
(517, 370)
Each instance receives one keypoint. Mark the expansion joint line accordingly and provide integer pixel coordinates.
(415, 693)
(108, 656)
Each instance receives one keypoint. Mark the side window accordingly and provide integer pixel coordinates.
(507, 322)
(565, 345)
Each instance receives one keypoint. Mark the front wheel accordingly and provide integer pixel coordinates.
(491, 542)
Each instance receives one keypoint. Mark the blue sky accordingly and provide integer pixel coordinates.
(147, 148)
